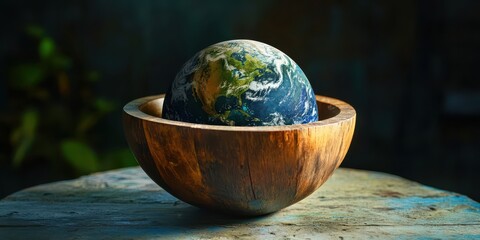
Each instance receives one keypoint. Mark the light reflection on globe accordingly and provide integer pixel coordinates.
(241, 83)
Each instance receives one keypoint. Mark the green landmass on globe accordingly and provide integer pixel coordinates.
(241, 83)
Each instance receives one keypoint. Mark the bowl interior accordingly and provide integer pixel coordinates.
(154, 108)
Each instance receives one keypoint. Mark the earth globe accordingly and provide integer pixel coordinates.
(241, 83)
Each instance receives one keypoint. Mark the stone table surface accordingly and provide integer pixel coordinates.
(126, 204)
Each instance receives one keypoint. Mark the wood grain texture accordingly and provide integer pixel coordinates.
(239, 170)
(126, 204)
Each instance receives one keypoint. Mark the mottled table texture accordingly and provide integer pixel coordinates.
(126, 204)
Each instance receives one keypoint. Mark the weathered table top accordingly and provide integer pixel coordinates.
(125, 203)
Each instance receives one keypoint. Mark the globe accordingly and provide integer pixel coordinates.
(241, 83)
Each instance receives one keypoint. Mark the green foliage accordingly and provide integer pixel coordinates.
(34, 31)
(46, 48)
(104, 105)
(80, 155)
(55, 114)
(23, 136)
(119, 158)
(26, 76)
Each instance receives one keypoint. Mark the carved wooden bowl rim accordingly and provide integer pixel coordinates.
(146, 108)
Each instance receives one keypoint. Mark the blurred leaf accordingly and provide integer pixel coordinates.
(22, 138)
(27, 75)
(35, 31)
(46, 48)
(28, 126)
(124, 157)
(79, 155)
(21, 151)
(59, 61)
(87, 122)
(119, 158)
(104, 105)
(30, 121)
(16, 135)
(93, 76)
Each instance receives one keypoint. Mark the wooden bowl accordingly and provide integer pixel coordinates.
(238, 170)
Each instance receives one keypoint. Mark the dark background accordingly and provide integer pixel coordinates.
(410, 68)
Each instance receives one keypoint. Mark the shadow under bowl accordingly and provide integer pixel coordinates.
(238, 170)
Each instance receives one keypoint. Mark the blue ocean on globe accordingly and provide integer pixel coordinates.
(241, 83)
